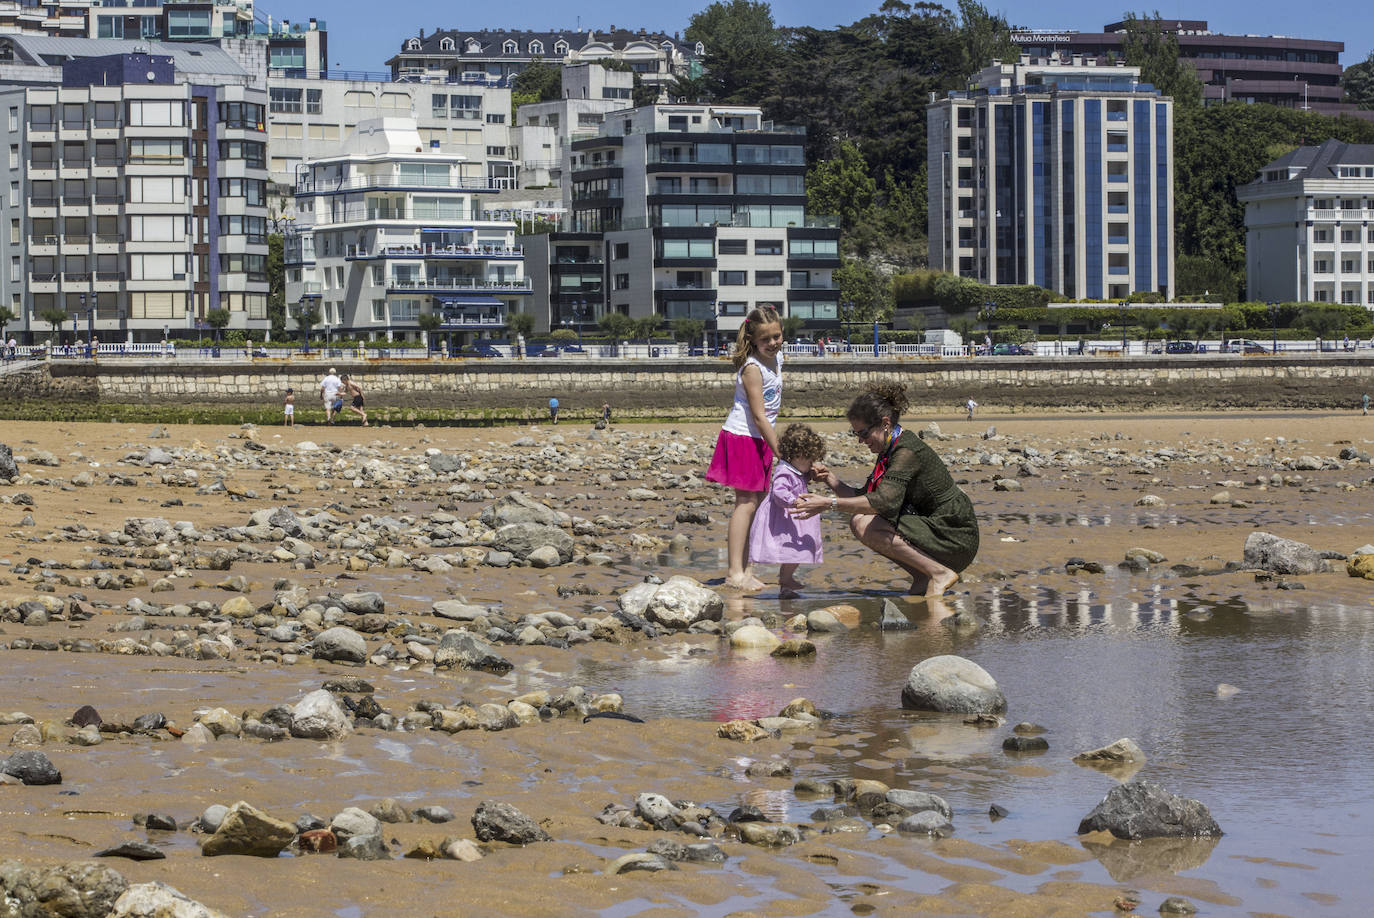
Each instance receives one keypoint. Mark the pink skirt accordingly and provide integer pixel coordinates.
(741, 462)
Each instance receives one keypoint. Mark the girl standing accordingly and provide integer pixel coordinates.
(745, 447)
(777, 536)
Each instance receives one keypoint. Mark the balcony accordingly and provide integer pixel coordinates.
(579, 260)
(43, 202)
(76, 277)
(1118, 208)
(43, 239)
(396, 285)
(311, 288)
(430, 250)
(366, 182)
(109, 199)
(814, 285)
(109, 238)
(74, 239)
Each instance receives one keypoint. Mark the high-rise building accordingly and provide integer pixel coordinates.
(689, 211)
(389, 230)
(1309, 226)
(1056, 173)
(137, 191)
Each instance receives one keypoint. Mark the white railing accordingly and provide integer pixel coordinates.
(439, 251)
(456, 283)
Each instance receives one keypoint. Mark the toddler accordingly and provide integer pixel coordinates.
(776, 536)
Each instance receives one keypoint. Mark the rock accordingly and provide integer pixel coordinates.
(1025, 744)
(134, 851)
(363, 603)
(389, 811)
(221, 723)
(8, 470)
(517, 507)
(1281, 556)
(434, 814)
(458, 611)
(544, 556)
(522, 538)
(444, 464)
(1006, 484)
(926, 822)
(894, 619)
(352, 821)
(1143, 809)
(340, 645)
(81, 889)
(1121, 752)
(239, 607)
(794, 647)
(1360, 566)
(85, 716)
(31, 767)
(1149, 500)
(768, 835)
(154, 529)
(213, 816)
(824, 621)
(365, 848)
(742, 731)
(754, 637)
(460, 849)
(463, 650)
(952, 685)
(26, 735)
(319, 716)
(1147, 555)
(639, 860)
(1177, 905)
(318, 841)
(494, 821)
(919, 801)
(681, 603)
(158, 900)
(247, 830)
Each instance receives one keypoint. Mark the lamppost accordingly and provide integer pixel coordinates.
(1274, 324)
(90, 321)
(987, 315)
(1122, 306)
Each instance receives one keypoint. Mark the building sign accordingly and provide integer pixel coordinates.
(1042, 38)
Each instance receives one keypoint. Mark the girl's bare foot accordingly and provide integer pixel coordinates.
(745, 583)
(941, 582)
(788, 593)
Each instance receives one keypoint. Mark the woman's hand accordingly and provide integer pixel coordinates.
(819, 472)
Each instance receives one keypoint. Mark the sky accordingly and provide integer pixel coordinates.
(363, 35)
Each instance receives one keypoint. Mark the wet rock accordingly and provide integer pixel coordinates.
(1281, 556)
(390, 811)
(211, 819)
(996, 812)
(82, 889)
(520, 539)
(927, 822)
(495, 821)
(698, 853)
(318, 841)
(247, 830)
(460, 849)
(1177, 905)
(26, 735)
(1006, 484)
(768, 835)
(794, 647)
(158, 900)
(352, 821)
(458, 611)
(319, 716)
(894, 619)
(365, 848)
(463, 650)
(918, 802)
(31, 767)
(952, 685)
(1121, 752)
(340, 645)
(85, 716)
(1025, 744)
(770, 769)
(1149, 500)
(640, 860)
(134, 851)
(824, 621)
(742, 731)
(680, 603)
(754, 637)
(1143, 809)
(1360, 566)
(657, 810)
(434, 814)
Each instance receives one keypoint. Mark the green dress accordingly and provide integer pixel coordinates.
(911, 489)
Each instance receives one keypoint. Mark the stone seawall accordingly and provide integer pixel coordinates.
(702, 389)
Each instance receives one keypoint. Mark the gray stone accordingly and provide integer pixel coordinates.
(522, 538)
(248, 830)
(919, 802)
(212, 817)
(1177, 905)
(363, 603)
(352, 821)
(31, 767)
(683, 602)
(464, 650)
(518, 507)
(495, 821)
(1143, 809)
(952, 685)
(8, 470)
(134, 851)
(1025, 744)
(926, 822)
(153, 528)
(158, 900)
(81, 889)
(544, 556)
(340, 645)
(444, 464)
(1282, 556)
(657, 810)
(365, 848)
(894, 619)
(319, 716)
(458, 611)
(639, 860)
(1120, 752)
(434, 814)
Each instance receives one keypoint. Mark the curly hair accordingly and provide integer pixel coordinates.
(801, 442)
(878, 401)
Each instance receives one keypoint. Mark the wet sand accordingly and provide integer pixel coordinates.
(564, 772)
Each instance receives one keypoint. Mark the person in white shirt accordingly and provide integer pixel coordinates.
(329, 393)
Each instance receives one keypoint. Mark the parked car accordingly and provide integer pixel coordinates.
(478, 349)
(560, 350)
(1180, 347)
(1012, 350)
(1243, 346)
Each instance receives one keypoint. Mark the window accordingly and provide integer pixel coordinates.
(496, 151)
(509, 48)
(768, 247)
(255, 266)
(621, 250)
(156, 149)
(733, 246)
(495, 119)
(467, 108)
(40, 118)
(188, 24)
(254, 190)
(446, 44)
(157, 228)
(285, 99)
(1321, 266)
(439, 105)
(314, 101)
(413, 44)
(560, 47)
(768, 278)
(157, 189)
(14, 119)
(536, 47)
(252, 152)
(770, 184)
(407, 310)
(159, 267)
(688, 248)
(164, 304)
(816, 248)
(1349, 266)
(379, 310)
(1350, 235)
(622, 282)
(156, 113)
(777, 154)
(255, 228)
(734, 278)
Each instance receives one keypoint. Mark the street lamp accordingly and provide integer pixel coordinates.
(90, 321)
(1274, 324)
(1122, 305)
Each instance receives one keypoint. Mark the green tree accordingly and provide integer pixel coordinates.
(645, 327)
(1156, 52)
(963, 327)
(742, 48)
(1180, 323)
(6, 317)
(429, 322)
(218, 319)
(986, 37)
(843, 186)
(1197, 275)
(276, 284)
(866, 292)
(1150, 323)
(688, 330)
(791, 326)
(1323, 322)
(54, 316)
(1358, 82)
(308, 316)
(519, 323)
(563, 335)
(617, 326)
(540, 79)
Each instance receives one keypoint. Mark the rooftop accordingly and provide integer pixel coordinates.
(52, 51)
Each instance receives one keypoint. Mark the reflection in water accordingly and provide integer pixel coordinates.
(1128, 861)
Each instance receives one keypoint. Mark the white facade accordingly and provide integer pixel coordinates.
(544, 130)
(1309, 226)
(1056, 173)
(134, 208)
(389, 230)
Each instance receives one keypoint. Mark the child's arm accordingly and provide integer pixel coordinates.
(752, 377)
(786, 489)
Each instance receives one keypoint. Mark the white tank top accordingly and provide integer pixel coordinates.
(741, 420)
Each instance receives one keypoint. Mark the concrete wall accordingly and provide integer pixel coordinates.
(701, 389)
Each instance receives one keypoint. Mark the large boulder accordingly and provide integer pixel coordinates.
(464, 650)
(8, 470)
(518, 507)
(444, 464)
(522, 538)
(1360, 566)
(952, 685)
(1282, 556)
(153, 528)
(31, 767)
(319, 716)
(81, 889)
(340, 645)
(495, 821)
(158, 900)
(363, 603)
(1143, 809)
(681, 603)
(248, 830)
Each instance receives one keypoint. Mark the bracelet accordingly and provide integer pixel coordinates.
(834, 503)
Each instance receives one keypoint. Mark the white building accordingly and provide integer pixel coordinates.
(1309, 226)
(136, 193)
(544, 130)
(1057, 173)
(389, 229)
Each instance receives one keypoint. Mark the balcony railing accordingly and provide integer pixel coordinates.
(76, 239)
(364, 182)
(311, 288)
(437, 251)
(76, 276)
(45, 277)
(46, 239)
(43, 202)
(109, 238)
(109, 199)
(457, 283)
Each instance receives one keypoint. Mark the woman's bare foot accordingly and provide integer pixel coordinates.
(941, 582)
(745, 583)
(918, 587)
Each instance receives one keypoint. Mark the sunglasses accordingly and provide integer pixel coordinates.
(863, 434)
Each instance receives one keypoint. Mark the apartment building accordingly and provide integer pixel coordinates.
(700, 213)
(455, 54)
(137, 194)
(544, 130)
(1057, 173)
(1309, 226)
(390, 229)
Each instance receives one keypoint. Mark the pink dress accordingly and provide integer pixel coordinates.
(777, 537)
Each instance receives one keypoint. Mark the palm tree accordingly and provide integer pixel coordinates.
(429, 322)
(54, 317)
(1149, 321)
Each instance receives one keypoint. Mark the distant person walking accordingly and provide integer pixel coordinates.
(353, 392)
(288, 408)
(1364, 401)
(329, 393)
(553, 409)
(970, 405)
